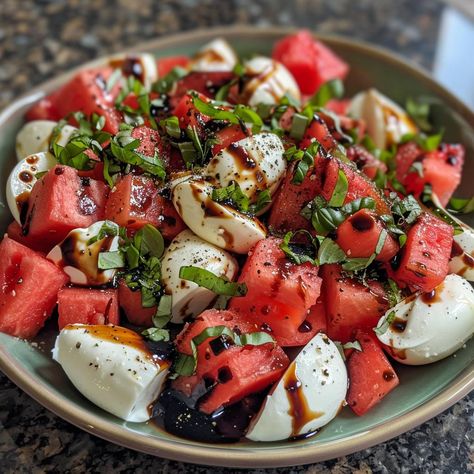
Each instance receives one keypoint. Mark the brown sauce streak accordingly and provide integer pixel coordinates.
(255, 82)
(241, 157)
(432, 296)
(22, 202)
(299, 411)
(468, 260)
(456, 250)
(26, 177)
(398, 325)
(362, 223)
(31, 160)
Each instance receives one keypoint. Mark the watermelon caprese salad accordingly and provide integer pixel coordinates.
(229, 246)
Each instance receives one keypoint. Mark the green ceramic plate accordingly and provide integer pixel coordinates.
(423, 392)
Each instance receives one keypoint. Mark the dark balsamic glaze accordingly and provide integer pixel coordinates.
(299, 409)
(398, 325)
(179, 415)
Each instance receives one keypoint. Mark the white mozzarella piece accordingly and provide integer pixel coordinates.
(22, 179)
(188, 298)
(142, 66)
(215, 222)
(79, 259)
(433, 326)
(386, 121)
(268, 82)
(112, 367)
(256, 163)
(34, 137)
(217, 55)
(315, 385)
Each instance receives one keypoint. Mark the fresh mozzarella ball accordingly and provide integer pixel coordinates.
(188, 298)
(268, 82)
(142, 66)
(215, 222)
(217, 55)
(386, 121)
(34, 137)
(112, 367)
(308, 396)
(79, 259)
(256, 163)
(22, 179)
(429, 327)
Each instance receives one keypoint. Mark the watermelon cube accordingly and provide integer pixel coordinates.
(131, 303)
(86, 306)
(280, 293)
(62, 201)
(29, 285)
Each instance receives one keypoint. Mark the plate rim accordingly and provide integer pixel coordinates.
(217, 455)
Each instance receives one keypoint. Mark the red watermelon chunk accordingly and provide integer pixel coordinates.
(349, 304)
(86, 306)
(151, 143)
(310, 61)
(85, 92)
(29, 285)
(62, 201)
(371, 376)
(291, 198)
(359, 185)
(280, 293)
(232, 371)
(440, 168)
(135, 201)
(359, 234)
(166, 65)
(131, 303)
(425, 257)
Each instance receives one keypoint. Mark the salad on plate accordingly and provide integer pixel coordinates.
(229, 246)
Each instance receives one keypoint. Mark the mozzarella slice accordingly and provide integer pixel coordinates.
(217, 55)
(386, 121)
(34, 137)
(79, 259)
(429, 327)
(142, 66)
(308, 396)
(256, 163)
(112, 367)
(188, 298)
(215, 222)
(22, 179)
(268, 82)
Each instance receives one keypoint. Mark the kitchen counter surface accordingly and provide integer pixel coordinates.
(39, 39)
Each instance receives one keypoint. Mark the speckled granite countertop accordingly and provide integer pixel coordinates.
(40, 38)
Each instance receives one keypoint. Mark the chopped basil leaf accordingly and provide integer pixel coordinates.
(461, 206)
(426, 142)
(163, 312)
(113, 79)
(383, 328)
(393, 292)
(156, 334)
(207, 279)
(417, 167)
(297, 253)
(151, 241)
(419, 112)
(340, 190)
(298, 126)
(165, 84)
(109, 260)
(305, 159)
(333, 89)
(188, 153)
(232, 195)
(171, 125)
(330, 252)
(108, 228)
(264, 198)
